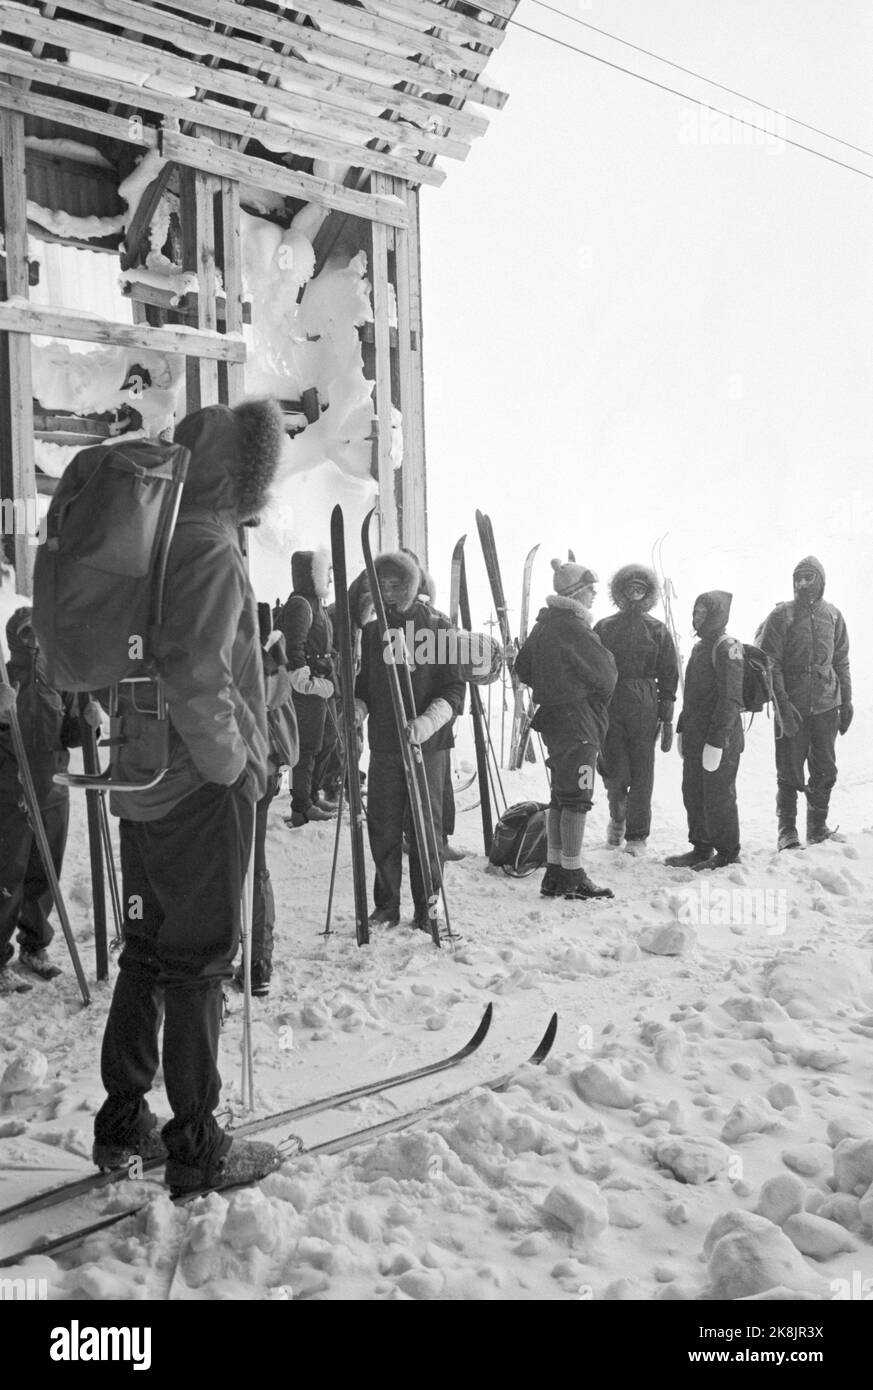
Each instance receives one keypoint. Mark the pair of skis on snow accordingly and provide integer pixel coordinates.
(403, 710)
(82, 1188)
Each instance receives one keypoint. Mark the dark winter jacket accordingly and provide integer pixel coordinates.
(48, 720)
(809, 647)
(303, 619)
(713, 682)
(644, 651)
(435, 672)
(208, 649)
(563, 660)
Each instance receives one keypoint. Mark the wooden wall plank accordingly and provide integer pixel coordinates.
(387, 510)
(56, 323)
(70, 114)
(20, 380)
(411, 375)
(205, 190)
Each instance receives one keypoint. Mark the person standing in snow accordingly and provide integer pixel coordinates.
(438, 691)
(641, 705)
(360, 613)
(308, 634)
(185, 843)
(49, 727)
(572, 676)
(710, 738)
(807, 642)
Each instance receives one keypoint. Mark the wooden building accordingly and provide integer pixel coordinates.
(342, 107)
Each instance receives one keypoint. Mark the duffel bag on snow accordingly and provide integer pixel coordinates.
(519, 844)
(99, 574)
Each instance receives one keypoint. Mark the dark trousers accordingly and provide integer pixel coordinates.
(711, 797)
(448, 803)
(182, 880)
(263, 904)
(25, 895)
(317, 728)
(628, 761)
(570, 733)
(388, 817)
(813, 744)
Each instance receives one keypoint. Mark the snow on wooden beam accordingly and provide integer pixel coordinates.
(200, 154)
(240, 86)
(185, 33)
(462, 28)
(18, 317)
(280, 28)
(388, 532)
(223, 118)
(69, 114)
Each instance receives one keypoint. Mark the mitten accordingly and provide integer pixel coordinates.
(425, 725)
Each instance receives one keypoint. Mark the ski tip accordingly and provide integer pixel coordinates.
(484, 1023)
(544, 1046)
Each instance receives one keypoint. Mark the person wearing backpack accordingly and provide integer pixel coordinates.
(808, 645)
(641, 706)
(49, 727)
(710, 738)
(572, 676)
(185, 843)
(308, 634)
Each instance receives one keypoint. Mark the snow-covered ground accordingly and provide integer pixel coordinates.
(702, 1129)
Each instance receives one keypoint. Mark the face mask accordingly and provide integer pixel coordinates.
(635, 593)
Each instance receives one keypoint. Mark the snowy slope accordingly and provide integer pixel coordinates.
(684, 1089)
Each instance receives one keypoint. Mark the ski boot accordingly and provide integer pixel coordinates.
(245, 1161)
(384, 917)
(817, 829)
(10, 983)
(698, 854)
(576, 884)
(637, 848)
(551, 884)
(614, 833)
(148, 1147)
(788, 836)
(262, 972)
(720, 860)
(39, 964)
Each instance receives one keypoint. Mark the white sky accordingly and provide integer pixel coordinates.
(634, 327)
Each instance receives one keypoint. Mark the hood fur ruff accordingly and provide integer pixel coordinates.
(310, 572)
(234, 456)
(646, 575)
(398, 562)
(571, 605)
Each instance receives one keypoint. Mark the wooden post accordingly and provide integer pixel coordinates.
(387, 511)
(231, 268)
(411, 373)
(204, 202)
(20, 378)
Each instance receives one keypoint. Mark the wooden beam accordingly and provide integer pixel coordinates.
(460, 27)
(231, 272)
(413, 475)
(70, 114)
(277, 26)
(327, 84)
(225, 118)
(240, 86)
(184, 305)
(387, 511)
(201, 154)
(205, 190)
(56, 323)
(20, 381)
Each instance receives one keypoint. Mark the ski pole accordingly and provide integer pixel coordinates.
(336, 841)
(91, 760)
(247, 1086)
(38, 826)
(110, 865)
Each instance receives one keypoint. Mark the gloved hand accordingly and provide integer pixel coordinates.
(7, 701)
(306, 684)
(95, 715)
(791, 719)
(846, 715)
(425, 725)
(711, 758)
(679, 744)
(667, 736)
(665, 711)
(361, 713)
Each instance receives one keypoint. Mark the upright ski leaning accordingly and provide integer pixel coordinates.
(518, 748)
(343, 637)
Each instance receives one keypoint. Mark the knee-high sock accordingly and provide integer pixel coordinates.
(553, 834)
(572, 835)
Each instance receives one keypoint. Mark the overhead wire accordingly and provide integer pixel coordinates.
(795, 120)
(707, 106)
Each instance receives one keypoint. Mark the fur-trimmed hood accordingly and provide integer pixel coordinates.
(234, 456)
(570, 605)
(407, 568)
(310, 572)
(20, 618)
(646, 576)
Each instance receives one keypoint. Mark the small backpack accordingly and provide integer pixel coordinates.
(757, 675)
(519, 845)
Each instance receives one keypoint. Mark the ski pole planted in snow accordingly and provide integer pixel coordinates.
(38, 827)
(247, 1086)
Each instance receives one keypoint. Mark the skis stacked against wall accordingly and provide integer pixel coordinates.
(519, 746)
